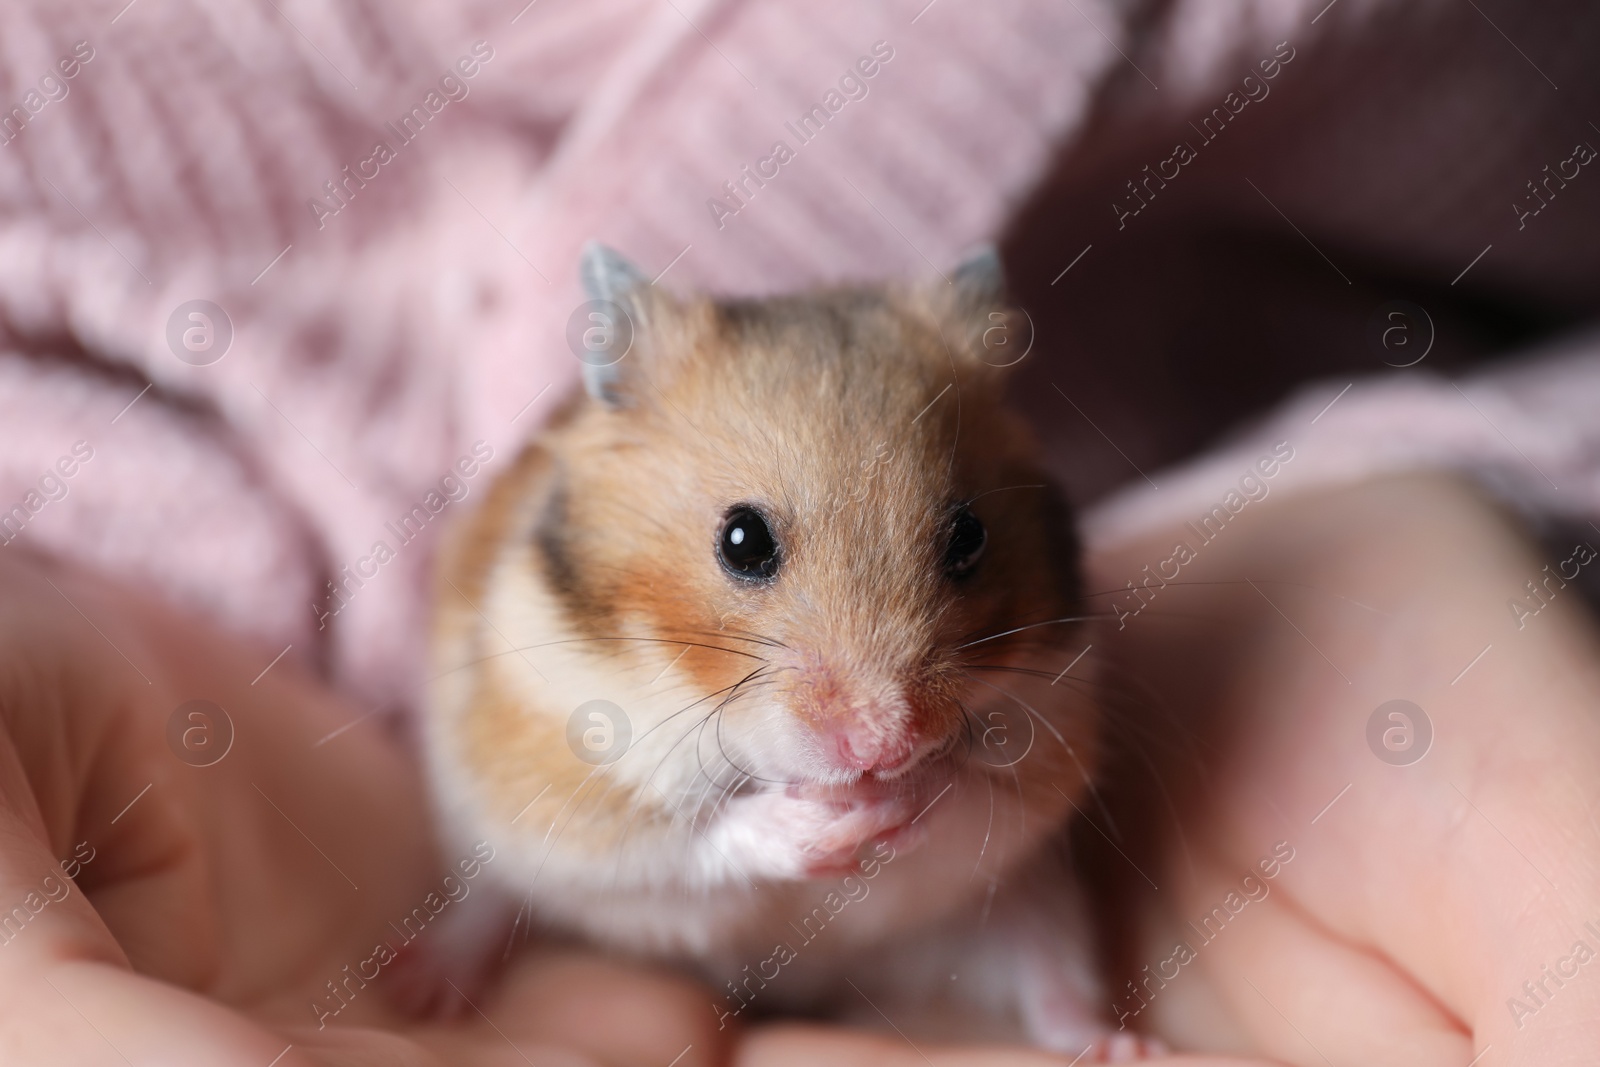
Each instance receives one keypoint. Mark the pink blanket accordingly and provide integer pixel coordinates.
(386, 207)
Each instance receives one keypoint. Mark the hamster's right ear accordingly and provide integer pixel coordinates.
(618, 337)
(979, 281)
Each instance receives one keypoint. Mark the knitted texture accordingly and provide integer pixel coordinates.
(390, 310)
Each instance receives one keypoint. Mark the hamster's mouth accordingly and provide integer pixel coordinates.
(927, 779)
(849, 818)
(928, 772)
(857, 825)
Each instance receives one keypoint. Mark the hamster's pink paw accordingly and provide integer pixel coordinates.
(452, 962)
(1058, 991)
(1125, 1048)
(439, 981)
(1093, 1041)
(785, 836)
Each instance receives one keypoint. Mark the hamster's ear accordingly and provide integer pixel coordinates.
(618, 335)
(979, 281)
(974, 307)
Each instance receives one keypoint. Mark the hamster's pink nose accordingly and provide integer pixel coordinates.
(860, 750)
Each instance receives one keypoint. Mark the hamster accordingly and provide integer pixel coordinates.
(749, 661)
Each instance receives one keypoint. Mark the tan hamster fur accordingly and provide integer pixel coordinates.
(870, 701)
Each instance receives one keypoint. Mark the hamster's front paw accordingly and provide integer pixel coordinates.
(1044, 943)
(1094, 1042)
(780, 835)
(1059, 1017)
(450, 963)
(1128, 1048)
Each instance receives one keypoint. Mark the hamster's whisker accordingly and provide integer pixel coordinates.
(988, 829)
(643, 640)
(727, 791)
(1108, 684)
(639, 796)
(754, 678)
(710, 780)
(1086, 685)
(1083, 772)
(1006, 489)
(1011, 668)
(971, 722)
(1035, 625)
(1157, 726)
(751, 775)
(1042, 721)
(1149, 720)
(742, 635)
(740, 776)
(476, 661)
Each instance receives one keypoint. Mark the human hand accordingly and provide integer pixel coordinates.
(213, 904)
(1407, 903)
(207, 924)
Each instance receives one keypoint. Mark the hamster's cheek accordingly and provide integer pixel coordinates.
(777, 835)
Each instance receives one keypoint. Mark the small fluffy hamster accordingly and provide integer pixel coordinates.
(747, 661)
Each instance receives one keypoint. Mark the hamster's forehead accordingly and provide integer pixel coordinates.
(853, 346)
(808, 403)
(855, 429)
(824, 383)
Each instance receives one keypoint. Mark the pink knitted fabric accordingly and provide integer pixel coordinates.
(420, 310)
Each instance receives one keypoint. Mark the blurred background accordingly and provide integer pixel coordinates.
(273, 272)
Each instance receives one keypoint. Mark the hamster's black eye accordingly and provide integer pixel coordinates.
(746, 547)
(967, 538)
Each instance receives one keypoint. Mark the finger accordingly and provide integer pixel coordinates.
(75, 787)
(330, 839)
(83, 1014)
(1469, 871)
(614, 1014)
(1290, 989)
(790, 1045)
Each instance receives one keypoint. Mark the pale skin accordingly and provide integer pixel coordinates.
(218, 904)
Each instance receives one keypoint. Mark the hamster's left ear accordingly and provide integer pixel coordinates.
(979, 281)
(624, 335)
(974, 306)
